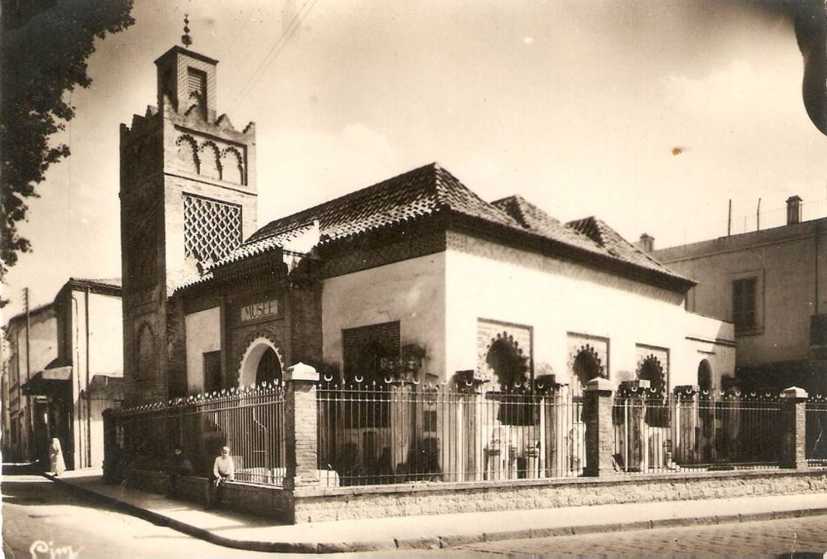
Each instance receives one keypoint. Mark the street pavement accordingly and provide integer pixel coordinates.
(70, 527)
(797, 537)
(67, 525)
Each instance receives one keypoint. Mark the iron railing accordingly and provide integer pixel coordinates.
(249, 421)
(370, 434)
(696, 431)
(394, 433)
(816, 431)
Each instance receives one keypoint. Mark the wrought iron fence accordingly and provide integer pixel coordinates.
(249, 421)
(816, 431)
(695, 431)
(394, 433)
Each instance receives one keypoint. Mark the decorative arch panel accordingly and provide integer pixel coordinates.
(231, 166)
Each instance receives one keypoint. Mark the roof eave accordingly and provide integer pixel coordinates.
(546, 245)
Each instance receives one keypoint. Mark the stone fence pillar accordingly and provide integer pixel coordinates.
(301, 419)
(597, 411)
(794, 428)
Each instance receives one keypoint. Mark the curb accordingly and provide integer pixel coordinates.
(431, 542)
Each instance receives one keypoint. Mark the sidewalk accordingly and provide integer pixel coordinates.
(436, 531)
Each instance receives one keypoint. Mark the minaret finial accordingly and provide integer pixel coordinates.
(185, 38)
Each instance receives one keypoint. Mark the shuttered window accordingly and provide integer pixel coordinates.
(743, 304)
(197, 88)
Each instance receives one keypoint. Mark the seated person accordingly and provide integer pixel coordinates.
(223, 469)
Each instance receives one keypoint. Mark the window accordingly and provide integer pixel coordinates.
(212, 229)
(368, 351)
(212, 371)
(197, 89)
(586, 367)
(507, 361)
(657, 411)
(743, 304)
(510, 368)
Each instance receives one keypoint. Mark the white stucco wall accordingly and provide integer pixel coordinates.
(105, 335)
(411, 291)
(713, 340)
(203, 330)
(43, 343)
(556, 297)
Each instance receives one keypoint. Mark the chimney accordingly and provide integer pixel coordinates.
(646, 243)
(794, 206)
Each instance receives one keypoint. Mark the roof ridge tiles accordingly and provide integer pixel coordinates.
(429, 190)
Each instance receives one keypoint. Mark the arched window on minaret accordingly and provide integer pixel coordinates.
(231, 168)
(210, 164)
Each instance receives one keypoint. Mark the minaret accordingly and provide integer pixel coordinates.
(188, 197)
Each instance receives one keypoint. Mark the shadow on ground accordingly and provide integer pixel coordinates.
(22, 469)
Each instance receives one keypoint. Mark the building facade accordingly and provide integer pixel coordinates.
(772, 285)
(415, 272)
(415, 276)
(470, 288)
(62, 369)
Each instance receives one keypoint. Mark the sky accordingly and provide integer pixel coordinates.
(578, 106)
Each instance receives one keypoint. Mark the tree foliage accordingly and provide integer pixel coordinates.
(45, 48)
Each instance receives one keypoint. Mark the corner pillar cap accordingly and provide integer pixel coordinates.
(301, 371)
(794, 393)
(599, 384)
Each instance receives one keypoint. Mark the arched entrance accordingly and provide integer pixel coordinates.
(704, 376)
(261, 363)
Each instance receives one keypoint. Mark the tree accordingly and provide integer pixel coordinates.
(811, 33)
(45, 48)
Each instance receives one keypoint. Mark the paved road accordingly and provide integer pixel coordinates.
(35, 509)
(800, 537)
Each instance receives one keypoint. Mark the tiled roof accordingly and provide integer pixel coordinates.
(425, 191)
(194, 279)
(538, 221)
(420, 192)
(615, 245)
(590, 234)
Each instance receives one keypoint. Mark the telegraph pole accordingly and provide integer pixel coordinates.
(30, 418)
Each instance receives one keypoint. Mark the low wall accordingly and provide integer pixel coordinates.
(261, 500)
(319, 505)
(148, 480)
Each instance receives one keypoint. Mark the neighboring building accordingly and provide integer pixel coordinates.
(773, 285)
(63, 368)
(5, 395)
(413, 275)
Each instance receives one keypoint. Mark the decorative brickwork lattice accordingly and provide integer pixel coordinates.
(211, 229)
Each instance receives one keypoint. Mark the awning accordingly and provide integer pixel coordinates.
(48, 382)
